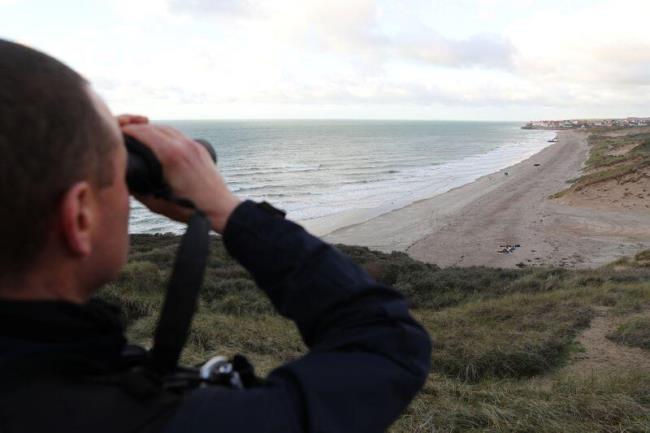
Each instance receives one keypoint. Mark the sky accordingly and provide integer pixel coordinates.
(354, 59)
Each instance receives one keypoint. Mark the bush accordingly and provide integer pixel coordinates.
(139, 276)
(559, 405)
(138, 291)
(514, 336)
(500, 335)
(243, 303)
(635, 332)
(216, 288)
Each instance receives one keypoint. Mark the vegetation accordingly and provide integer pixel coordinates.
(501, 337)
(514, 336)
(634, 332)
(614, 155)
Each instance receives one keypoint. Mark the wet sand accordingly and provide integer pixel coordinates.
(470, 225)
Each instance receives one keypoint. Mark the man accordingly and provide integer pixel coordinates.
(64, 234)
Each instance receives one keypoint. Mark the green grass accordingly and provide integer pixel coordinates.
(514, 336)
(501, 336)
(558, 405)
(602, 165)
(634, 332)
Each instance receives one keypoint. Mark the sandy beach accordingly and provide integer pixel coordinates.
(474, 224)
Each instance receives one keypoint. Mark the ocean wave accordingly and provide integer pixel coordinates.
(333, 177)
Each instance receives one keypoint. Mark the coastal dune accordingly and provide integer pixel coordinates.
(507, 219)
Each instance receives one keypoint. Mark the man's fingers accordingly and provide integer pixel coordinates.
(127, 119)
(152, 137)
(170, 132)
(166, 143)
(188, 170)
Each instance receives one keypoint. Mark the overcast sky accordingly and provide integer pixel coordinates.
(401, 59)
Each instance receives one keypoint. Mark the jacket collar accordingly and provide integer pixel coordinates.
(32, 327)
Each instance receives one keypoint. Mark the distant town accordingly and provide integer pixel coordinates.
(630, 122)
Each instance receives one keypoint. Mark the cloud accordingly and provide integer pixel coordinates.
(484, 50)
(351, 28)
(202, 7)
(357, 52)
(606, 44)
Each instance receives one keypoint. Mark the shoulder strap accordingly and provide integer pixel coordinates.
(182, 295)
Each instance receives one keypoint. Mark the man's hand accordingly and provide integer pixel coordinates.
(187, 168)
(131, 119)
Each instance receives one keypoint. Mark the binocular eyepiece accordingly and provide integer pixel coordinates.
(144, 174)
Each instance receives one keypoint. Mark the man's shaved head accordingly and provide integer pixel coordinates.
(51, 136)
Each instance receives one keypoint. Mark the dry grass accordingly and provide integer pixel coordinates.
(634, 332)
(515, 336)
(560, 405)
(614, 155)
(501, 336)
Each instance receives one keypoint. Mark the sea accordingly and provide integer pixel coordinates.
(329, 173)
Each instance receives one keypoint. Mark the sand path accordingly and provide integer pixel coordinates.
(468, 225)
(602, 355)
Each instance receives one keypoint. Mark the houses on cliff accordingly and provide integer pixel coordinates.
(630, 122)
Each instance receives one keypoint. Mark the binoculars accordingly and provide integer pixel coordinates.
(144, 174)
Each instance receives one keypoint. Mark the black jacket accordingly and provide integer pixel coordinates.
(367, 356)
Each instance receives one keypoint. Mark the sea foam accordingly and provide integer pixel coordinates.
(321, 169)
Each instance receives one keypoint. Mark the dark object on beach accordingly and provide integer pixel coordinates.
(553, 140)
(506, 173)
(144, 172)
(507, 249)
(536, 165)
(520, 265)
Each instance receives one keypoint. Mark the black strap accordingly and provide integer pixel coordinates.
(182, 294)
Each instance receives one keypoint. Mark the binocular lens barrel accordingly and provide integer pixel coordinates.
(144, 173)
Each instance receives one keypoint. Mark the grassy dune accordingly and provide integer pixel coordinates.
(618, 154)
(502, 338)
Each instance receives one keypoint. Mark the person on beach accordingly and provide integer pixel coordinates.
(64, 360)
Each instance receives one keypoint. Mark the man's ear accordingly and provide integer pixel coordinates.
(76, 219)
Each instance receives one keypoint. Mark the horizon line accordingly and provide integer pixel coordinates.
(226, 119)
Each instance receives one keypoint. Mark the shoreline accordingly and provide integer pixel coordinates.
(440, 205)
(469, 225)
(326, 225)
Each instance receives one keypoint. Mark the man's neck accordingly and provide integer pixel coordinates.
(41, 286)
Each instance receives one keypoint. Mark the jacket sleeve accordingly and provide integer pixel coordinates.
(367, 356)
